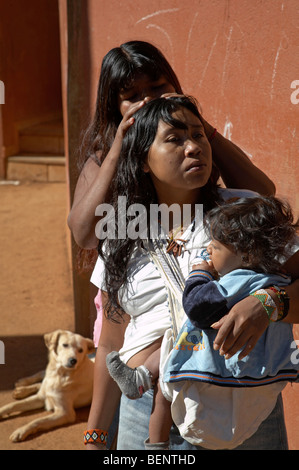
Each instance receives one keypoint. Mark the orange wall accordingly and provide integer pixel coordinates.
(238, 57)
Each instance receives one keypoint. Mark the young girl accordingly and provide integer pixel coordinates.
(165, 158)
(131, 75)
(251, 238)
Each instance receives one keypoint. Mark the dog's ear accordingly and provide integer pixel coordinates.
(51, 339)
(90, 345)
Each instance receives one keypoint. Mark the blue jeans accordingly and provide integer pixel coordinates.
(134, 423)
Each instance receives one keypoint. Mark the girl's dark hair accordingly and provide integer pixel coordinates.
(260, 227)
(137, 187)
(119, 68)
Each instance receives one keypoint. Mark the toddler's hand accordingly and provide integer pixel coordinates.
(206, 266)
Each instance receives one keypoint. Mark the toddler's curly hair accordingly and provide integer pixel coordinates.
(262, 228)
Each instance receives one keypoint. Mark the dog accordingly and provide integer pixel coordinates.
(65, 385)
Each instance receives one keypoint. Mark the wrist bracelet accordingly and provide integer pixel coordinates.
(268, 304)
(284, 301)
(95, 435)
(212, 135)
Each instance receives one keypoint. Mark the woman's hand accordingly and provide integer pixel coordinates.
(241, 328)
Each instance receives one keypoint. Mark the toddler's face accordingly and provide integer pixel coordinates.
(223, 258)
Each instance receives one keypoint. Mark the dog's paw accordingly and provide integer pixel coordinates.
(20, 392)
(3, 414)
(21, 383)
(18, 435)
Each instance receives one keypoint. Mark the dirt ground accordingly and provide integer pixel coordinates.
(36, 298)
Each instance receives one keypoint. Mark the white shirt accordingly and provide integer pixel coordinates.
(147, 294)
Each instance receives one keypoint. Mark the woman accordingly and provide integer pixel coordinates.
(166, 158)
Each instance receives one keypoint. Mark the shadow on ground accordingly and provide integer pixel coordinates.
(24, 356)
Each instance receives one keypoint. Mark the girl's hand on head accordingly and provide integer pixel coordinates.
(241, 328)
(126, 122)
(128, 118)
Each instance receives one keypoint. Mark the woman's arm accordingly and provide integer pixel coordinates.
(241, 328)
(236, 169)
(106, 393)
(247, 320)
(93, 187)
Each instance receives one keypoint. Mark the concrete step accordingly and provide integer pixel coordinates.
(39, 168)
(45, 138)
(41, 154)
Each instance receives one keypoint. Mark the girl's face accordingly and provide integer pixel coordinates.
(143, 87)
(223, 258)
(179, 160)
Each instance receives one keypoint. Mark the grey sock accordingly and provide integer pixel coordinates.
(156, 445)
(132, 382)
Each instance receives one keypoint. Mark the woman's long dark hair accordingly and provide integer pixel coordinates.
(136, 185)
(120, 66)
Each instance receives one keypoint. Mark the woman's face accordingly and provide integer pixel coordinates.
(143, 87)
(179, 160)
